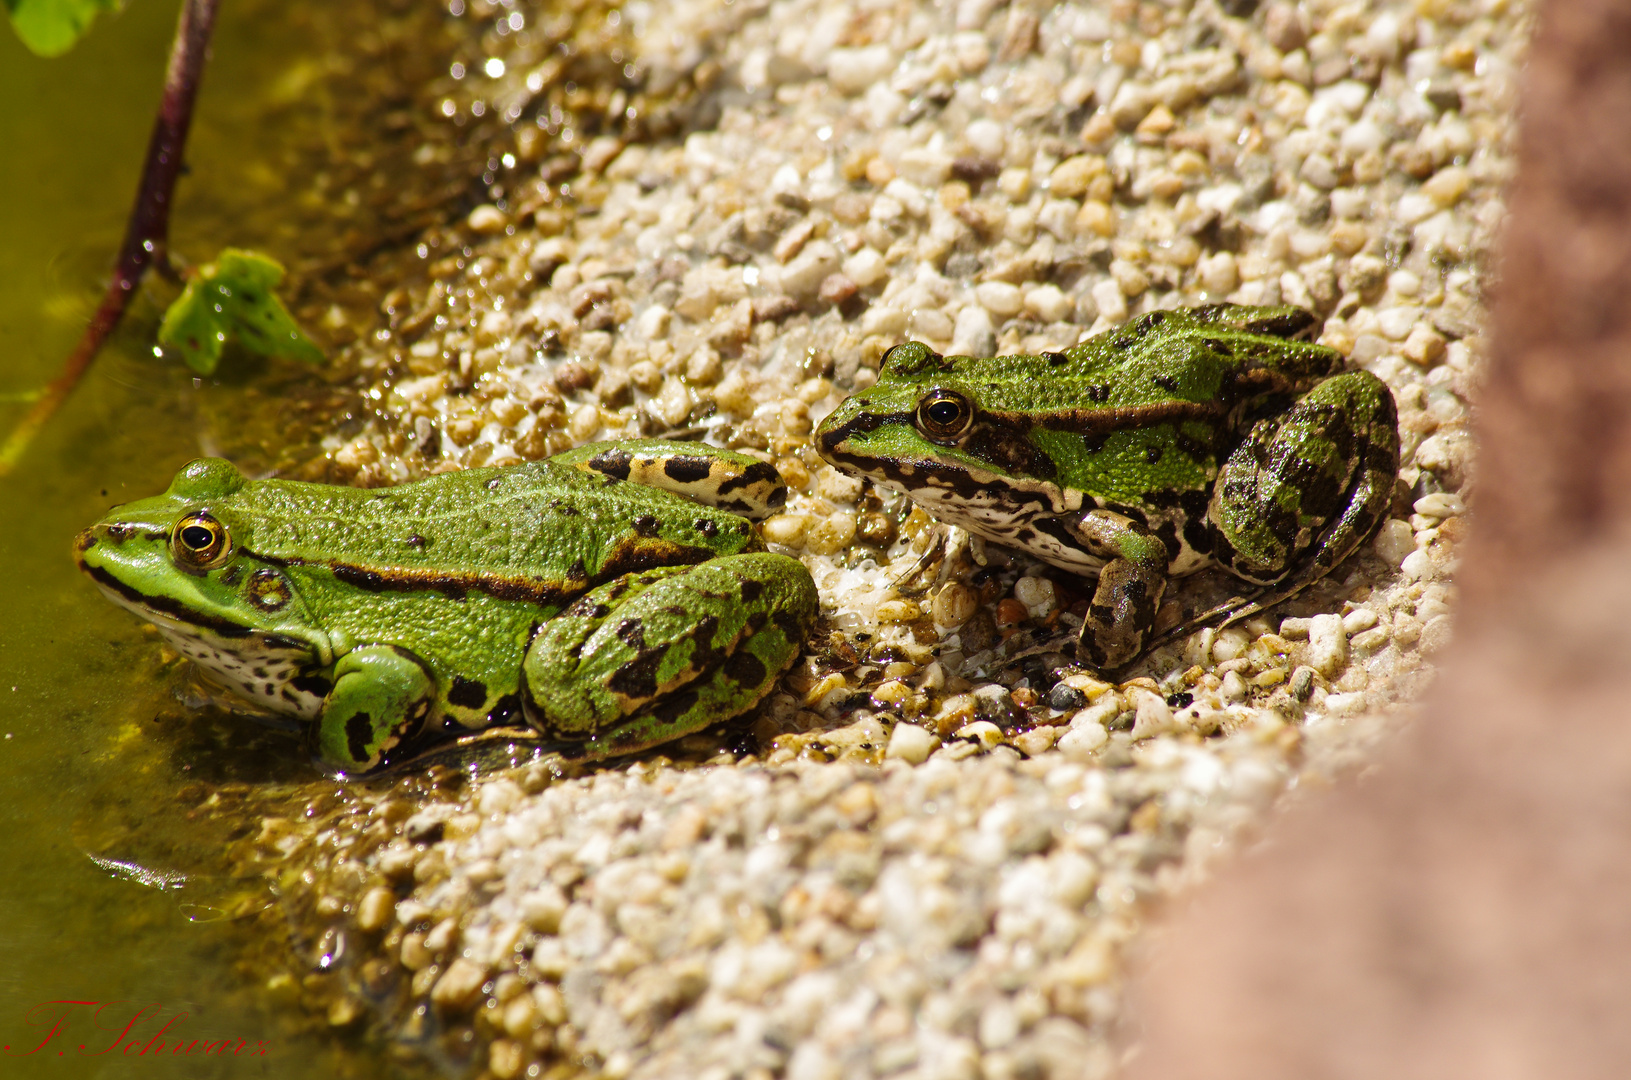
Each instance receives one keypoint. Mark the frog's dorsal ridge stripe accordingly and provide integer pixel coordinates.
(626, 558)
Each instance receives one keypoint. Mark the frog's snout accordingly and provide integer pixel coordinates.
(99, 534)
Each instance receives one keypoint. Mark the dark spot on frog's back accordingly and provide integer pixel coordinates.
(686, 470)
(467, 693)
(637, 679)
(757, 473)
(674, 706)
(645, 525)
(1054, 359)
(707, 528)
(612, 463)
(745, 669)
(1166, 382)
(359, 728)
(1198, 536)
(751, 590)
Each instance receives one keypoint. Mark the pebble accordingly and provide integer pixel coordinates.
(1327, 644)
(854, 71)
(375, 910)
(1394, 540)
(459, 987)
(911, 744)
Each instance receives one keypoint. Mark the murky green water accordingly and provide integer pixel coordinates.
(94, 747)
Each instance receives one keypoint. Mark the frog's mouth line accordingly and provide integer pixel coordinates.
(171, 609)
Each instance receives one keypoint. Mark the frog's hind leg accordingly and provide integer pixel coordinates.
(706, 474)
(1304, 490)
(656, 655)
(1124, 604)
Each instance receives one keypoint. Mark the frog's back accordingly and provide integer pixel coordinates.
(540, 522)
(1212, 356)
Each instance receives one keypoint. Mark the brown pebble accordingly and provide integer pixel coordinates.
(1011, 612)
(774, 308)
(836, 289)
(975, 171)
(459, 987)
(375, 909)
(979, 632)
(576, 375)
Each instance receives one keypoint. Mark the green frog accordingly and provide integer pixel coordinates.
(1215, 436)
(613, 597)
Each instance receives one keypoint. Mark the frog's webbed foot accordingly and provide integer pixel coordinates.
(381, 696)
(659, 654)
(1227, 613)
(949, 546)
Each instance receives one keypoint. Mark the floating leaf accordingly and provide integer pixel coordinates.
(50, 27)
(232, 298)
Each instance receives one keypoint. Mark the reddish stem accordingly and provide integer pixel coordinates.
(147, 233)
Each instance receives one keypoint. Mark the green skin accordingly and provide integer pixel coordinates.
(1216, 436)
(574, 593)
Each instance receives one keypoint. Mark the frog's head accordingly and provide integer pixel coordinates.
(920, 425)
(184, 560)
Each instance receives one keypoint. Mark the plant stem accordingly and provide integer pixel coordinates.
(147, 232)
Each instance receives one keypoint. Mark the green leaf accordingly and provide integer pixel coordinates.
(232, 298)
(50, 27)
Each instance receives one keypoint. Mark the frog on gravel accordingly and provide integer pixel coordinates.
(1215, 436)
(573, 593)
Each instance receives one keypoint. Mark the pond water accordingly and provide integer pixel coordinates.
(108, 906)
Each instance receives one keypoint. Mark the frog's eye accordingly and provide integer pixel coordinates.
(943, 414)
(199, 541)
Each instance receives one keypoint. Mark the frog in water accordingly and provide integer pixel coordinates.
(572, 593)
(1216, 436)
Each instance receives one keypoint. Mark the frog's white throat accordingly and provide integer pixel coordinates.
(270, 670)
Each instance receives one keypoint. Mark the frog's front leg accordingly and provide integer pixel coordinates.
(1122, 612)
(655, 655)
(380, 693)
(1307, 487)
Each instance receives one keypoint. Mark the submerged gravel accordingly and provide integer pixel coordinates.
(929, 854)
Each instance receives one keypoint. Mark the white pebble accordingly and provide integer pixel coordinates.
(1327, 644)
(1154, 716)
(866, 268)
(803, 276)
(1358, 619)
(911, 744)
(1037, 594)
(999, 298)
(1440, 504)
(1394, 540)
(1080, 741)
(987, 139)
(854, 71)
(1112, 305)
(974, 334)
(1229, 644)
(1416, 566)
(1047, 303)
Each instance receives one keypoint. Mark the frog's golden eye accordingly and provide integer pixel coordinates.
(944, 414)
(199, 541)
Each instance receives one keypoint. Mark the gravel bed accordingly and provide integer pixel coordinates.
(929, 854)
